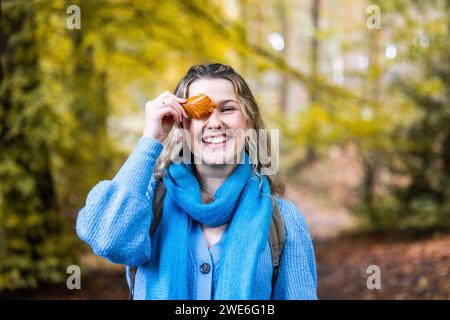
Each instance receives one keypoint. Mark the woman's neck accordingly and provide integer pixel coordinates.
(211, 177)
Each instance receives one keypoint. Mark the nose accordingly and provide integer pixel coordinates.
(214, 120)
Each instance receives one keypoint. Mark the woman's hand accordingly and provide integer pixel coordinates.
(161, 114)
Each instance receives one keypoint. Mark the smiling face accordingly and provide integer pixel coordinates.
(219, 137)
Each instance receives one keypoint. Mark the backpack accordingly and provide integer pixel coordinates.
(277, 233)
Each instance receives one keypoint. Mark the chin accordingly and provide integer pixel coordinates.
(217, 157)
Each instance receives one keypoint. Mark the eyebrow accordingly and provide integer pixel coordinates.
(226, 101)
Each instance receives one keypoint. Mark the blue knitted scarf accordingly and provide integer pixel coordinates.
(242, 200)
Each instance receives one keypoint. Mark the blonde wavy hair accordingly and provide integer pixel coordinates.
(174, 141)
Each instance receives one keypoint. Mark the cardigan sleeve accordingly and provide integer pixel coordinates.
(117, 215)
(297, 278)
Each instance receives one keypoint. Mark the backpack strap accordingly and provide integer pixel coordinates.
(277, 233)
(158, 202)
(277, 239)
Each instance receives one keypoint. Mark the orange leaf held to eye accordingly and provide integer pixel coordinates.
(199, 106)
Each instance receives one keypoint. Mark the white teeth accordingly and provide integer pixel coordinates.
(215, 140)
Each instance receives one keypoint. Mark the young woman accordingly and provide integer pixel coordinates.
(212, 240)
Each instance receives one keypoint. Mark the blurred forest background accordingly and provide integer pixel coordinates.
(359, 89)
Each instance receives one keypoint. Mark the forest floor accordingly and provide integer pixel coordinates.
(410, 268)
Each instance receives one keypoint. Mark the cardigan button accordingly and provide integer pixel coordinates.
(205, 268)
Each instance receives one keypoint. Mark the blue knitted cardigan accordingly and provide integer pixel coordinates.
(116, 219)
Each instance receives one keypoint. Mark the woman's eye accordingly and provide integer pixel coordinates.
(227, 109)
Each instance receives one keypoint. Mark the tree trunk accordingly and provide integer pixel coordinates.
(29, 223)
(284, 87)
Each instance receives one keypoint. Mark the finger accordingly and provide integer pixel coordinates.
(181, 109)
(177, 99)
(174, 102)
(180, 100)
(165, 94)
(175, 108)
(165, 101)
(166, 111)
(159, 99)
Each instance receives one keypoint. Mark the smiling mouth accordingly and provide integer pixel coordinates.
(216, 142)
